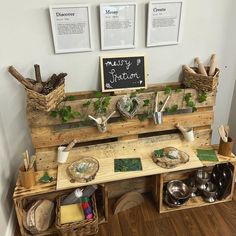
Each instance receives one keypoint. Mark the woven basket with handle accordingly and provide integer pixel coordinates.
(200, 82)
(80, 228)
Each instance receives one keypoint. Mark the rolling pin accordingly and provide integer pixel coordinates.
(201, 67)
(212, 65)
(186, 67)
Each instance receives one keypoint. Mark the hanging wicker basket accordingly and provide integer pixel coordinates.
(47, 102)
(201, 82)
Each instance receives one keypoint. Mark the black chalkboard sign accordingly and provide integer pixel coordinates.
(123, 72)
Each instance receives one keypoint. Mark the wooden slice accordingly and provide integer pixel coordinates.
(83, 170)
(127, 201)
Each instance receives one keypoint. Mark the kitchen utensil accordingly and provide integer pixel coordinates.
(191, 183)
(187, 133)
(222, 176)
(27, 177)
(172, 202)
(202, 177)
(226, 148)
(164, 105)
(226, 128)
(178, 190)
(210, 192)
(156, 114)
(222, 133)
(62, 155)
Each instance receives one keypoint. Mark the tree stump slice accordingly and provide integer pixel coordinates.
(127, 201)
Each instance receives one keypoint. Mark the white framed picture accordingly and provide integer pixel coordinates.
(118, 25)
(164, 22)
(71, 28)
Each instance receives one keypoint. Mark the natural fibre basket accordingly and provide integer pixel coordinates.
(200, 82)
(79, 228)
(46, 102)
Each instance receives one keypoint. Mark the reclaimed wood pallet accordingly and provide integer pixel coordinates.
(124, 138)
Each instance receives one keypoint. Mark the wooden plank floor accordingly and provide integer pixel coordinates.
(215, 220)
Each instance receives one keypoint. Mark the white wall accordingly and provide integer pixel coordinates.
(26, 39)
(232, 119)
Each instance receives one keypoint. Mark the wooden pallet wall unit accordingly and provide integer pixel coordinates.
(48, 132)
(124, 138)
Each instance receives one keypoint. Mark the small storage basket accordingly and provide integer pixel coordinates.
(201, 82)
(46, 102)
(80, 228)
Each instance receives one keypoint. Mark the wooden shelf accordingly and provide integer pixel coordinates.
(191, 203)
(106, 153)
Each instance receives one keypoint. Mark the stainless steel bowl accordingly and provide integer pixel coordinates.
(192, 184)
(178, 190)
(202, 177)
(210, 192)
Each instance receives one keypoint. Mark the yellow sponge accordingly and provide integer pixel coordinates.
(71, 213)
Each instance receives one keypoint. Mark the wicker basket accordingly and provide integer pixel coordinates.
(201, 82)
(80, 228)
(46, 102)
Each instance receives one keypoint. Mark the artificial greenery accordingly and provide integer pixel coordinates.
(101, 104)
(172, 109)
(168, 90)
(178, 90)
(146, 102)
(148, 112)
(70, 98)
(127, 164)
(137, 91)
(65, 113)
(46, 178)
(87, 104)
(189, 101)
(202, 97)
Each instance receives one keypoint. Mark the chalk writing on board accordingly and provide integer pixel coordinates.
(125, 72)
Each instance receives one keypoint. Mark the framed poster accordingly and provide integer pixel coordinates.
(164, 21)
(123, 72)
(71, 28)
(118, 25)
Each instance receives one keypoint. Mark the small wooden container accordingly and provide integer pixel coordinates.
(27, 178)
(226, 148)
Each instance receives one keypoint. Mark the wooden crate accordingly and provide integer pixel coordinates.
(183, 175)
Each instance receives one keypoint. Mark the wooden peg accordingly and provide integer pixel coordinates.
(186, 67)
(213, 62)
(201, 67)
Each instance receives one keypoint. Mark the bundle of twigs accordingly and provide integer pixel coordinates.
(38, 85)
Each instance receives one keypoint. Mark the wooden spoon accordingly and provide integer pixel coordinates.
(226, 128)
(222, 134)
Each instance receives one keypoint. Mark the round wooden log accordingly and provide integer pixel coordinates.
(201, 67)
(12, 70)
(37, 73)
